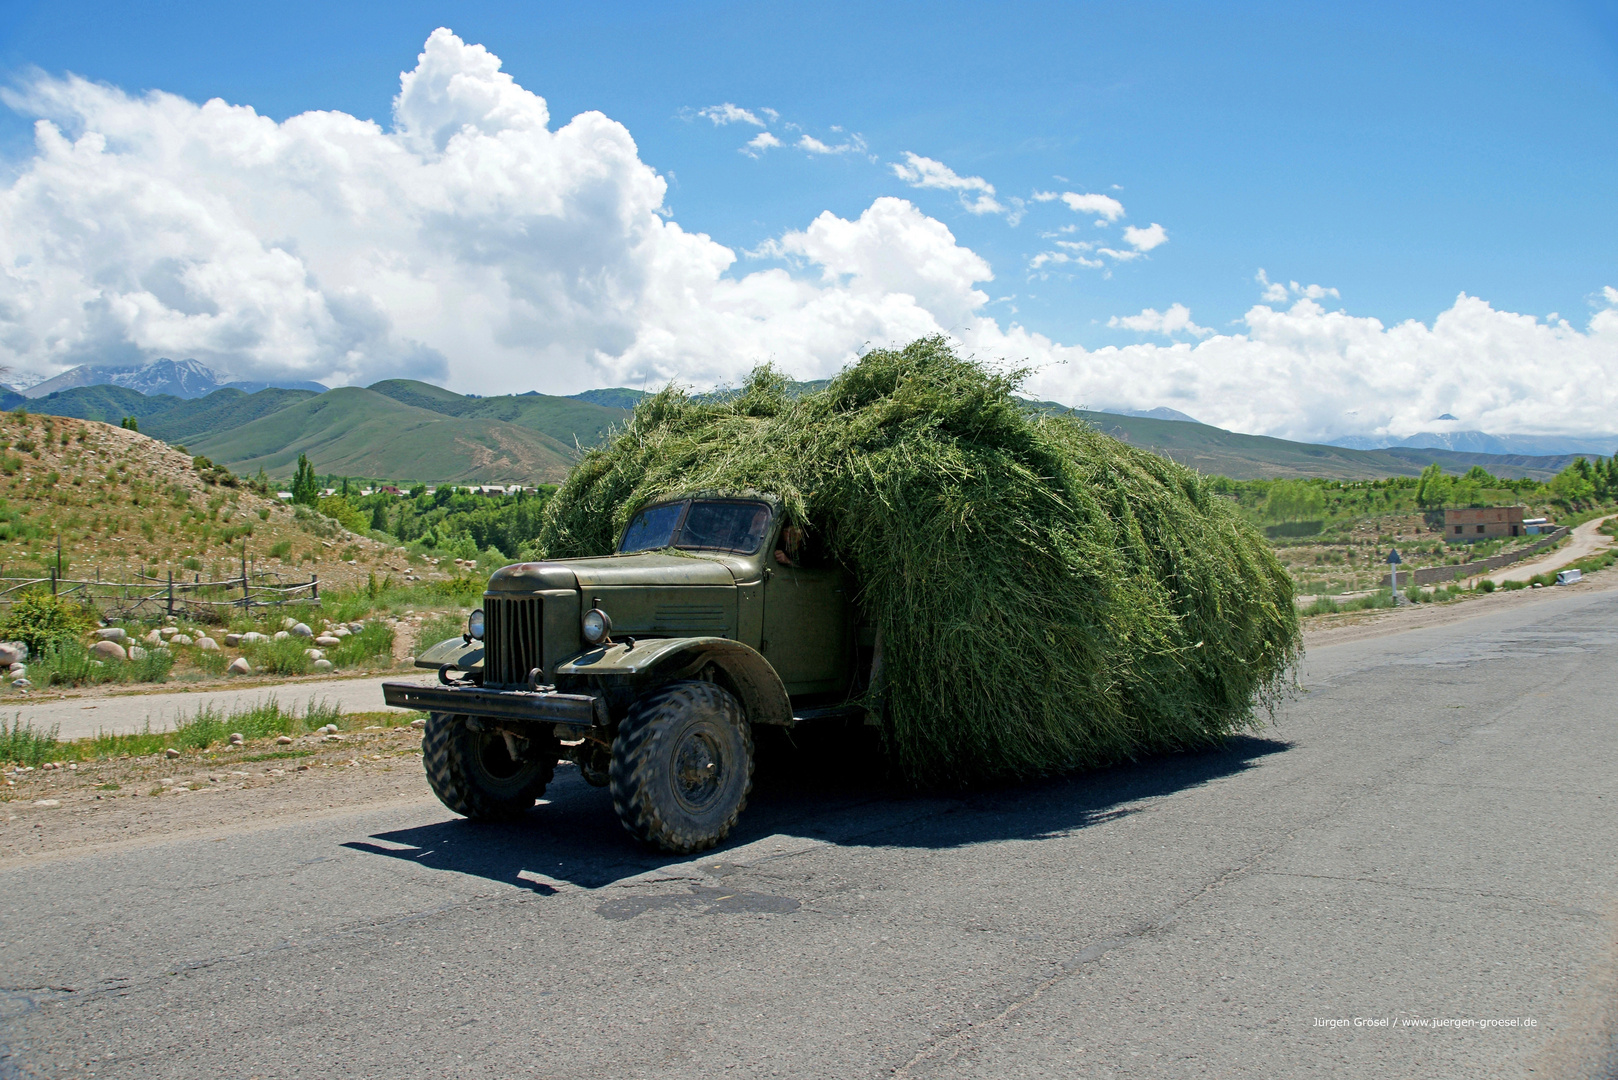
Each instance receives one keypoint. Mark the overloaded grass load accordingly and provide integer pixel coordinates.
(1048, 597)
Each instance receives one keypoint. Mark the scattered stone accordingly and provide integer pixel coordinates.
(239, 775)
(323, 665)
(154, 638)
(181, 639)
(47, 802)
(19, 671)
(109, 649)
(171, 753)
(288, 623)
(281, 635)
(250, 637)
(10, 654)
(21, 684)
(170, 619)
(341, 632)
(303, 768)
(240, 666)
(408, 661)
(302, 630)
(314, 654)
(137, 653)
(111, 633)
(237, 738)
(283, 740)
(168, 631)
(418, 723)
(207, 644)
(329, 729)
(328, 641)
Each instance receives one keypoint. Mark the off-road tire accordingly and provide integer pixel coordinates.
(682, 766)
(472, 773)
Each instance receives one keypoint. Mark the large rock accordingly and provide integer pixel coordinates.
(11, 654)
(240, 666)
(282, 635)
(180, 639)
(110, 650)
(252, 636)
(314, 654)
(207, 644)
(137, 653)
(323, 665)
(342, 631)
(111, 633)
(168, 631)
(155, 637)
(18, 671)
(232, 640)
(328, 641)
(302, 630)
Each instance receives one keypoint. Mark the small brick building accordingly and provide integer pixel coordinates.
(1482, 523)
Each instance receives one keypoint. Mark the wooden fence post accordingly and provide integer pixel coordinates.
(171, 591)
(53, 581)
(314, 586)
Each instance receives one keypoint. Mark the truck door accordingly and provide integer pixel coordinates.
(806, 624)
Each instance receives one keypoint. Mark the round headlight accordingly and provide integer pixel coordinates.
(596, 626)
(474, 625)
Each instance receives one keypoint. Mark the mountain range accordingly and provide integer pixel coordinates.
(176, 378)
(1480, 442)
(404, 430)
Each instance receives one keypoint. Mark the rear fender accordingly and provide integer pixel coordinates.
(760, 688)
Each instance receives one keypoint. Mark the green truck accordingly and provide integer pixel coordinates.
(649, 668)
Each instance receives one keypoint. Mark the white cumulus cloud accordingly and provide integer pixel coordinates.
(1176, 320)
(759, 143)
(473, 242)
(976, 194)
(1145, 239)
(733, 114)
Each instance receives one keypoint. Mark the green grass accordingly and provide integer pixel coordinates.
(288, 656)
(373, 642)
(22, 744)
(71, 664)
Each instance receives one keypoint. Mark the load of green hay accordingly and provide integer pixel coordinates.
(1048, 597)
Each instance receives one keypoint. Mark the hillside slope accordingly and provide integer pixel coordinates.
(361, 432)
(568, 420)
(1253, 457)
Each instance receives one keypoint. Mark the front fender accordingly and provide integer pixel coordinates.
(457, 652)
(763, 694)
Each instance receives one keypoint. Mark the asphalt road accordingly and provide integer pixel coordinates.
(1426, 835)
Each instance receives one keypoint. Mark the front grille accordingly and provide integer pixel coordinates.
(511, 639)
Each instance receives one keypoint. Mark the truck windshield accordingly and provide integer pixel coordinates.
(699, 525)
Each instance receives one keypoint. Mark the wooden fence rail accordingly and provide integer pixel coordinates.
(203, 600)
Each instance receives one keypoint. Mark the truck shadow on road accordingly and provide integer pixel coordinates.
(574, 838)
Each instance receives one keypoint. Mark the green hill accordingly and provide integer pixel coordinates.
(361, 432)
(409, 430)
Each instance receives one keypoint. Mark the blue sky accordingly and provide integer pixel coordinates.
(1398, 154)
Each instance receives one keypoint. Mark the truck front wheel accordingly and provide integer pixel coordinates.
(482, 772)
(682, 766)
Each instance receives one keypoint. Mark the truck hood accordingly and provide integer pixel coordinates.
(642, 568)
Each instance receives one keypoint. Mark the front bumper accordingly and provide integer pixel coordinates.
(541, 706)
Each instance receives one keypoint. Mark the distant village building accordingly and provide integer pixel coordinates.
(1482, 523)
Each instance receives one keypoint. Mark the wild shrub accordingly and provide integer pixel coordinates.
(44, 621)
(373, 641)
(284, 657)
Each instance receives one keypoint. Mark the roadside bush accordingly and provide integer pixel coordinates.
(441, 626)
(1323, 605)
(284, 657)
(22, 745)
(1513, 586)
(1486, 585)
(375, 640)
(45, 622)
(210, 725)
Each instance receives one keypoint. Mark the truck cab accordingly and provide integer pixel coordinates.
(651, 666)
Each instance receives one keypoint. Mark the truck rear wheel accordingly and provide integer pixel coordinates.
(474, 773)
(682, 766)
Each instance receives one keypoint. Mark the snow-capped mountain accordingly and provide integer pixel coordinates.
(181, 378)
